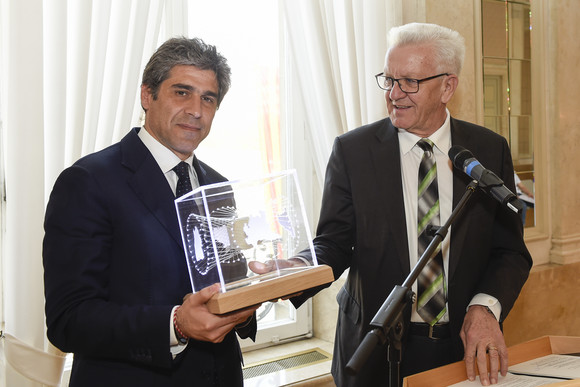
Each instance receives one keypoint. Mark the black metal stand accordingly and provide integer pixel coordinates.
(388, 321)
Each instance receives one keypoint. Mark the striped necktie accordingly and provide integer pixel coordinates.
(431, 304)
(183, 181)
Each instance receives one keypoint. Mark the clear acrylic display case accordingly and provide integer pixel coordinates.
(226, 226)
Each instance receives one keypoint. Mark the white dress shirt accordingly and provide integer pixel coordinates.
(167, 160)
(411, 155)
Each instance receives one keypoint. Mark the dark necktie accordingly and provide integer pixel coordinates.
(183, 181)
(431, 305)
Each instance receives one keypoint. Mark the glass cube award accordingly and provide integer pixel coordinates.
(227, 226)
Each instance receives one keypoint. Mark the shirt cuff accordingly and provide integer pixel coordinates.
(488, 301)
(174, 345)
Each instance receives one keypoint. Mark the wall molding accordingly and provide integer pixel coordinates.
(565, 250)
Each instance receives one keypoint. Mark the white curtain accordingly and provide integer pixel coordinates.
(70, 76)
(338, 46)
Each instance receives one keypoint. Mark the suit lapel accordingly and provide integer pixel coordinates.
(149, 184)
(201, 173)
(387, 175)
(463, 223)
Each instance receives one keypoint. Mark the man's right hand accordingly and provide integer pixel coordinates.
(197, 322)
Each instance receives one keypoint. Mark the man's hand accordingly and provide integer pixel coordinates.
(275, 264)
(481, 334)
(197, 322)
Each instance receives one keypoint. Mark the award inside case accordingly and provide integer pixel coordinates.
(225, 226)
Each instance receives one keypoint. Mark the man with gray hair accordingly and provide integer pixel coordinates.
(386, 184)
(116, 280)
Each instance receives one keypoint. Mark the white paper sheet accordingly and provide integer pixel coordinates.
(537, 372)
(559, 366)
(512, 380)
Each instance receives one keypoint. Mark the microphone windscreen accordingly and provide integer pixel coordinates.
(458, 155)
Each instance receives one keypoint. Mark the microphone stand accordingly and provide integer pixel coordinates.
(388, 321)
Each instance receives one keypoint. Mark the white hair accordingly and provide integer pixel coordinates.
(448, 45)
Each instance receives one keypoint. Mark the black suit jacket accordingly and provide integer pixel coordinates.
(362, 227)
(115, 267)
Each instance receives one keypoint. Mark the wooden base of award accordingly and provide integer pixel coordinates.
(269, 287)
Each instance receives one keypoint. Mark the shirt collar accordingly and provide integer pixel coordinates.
(166, 159)
(441, 138)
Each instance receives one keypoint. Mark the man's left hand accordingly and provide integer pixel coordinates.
(274, 264)
(482, 335)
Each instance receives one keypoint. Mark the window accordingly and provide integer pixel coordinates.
(507, 83)
(247, 138)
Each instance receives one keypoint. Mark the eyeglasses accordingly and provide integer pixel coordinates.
(407, 85)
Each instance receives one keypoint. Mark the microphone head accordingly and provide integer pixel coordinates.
(459, 155)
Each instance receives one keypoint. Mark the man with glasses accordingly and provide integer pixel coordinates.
(374, 213)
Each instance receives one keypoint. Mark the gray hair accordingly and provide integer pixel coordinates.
(191, 52)
(448, 45)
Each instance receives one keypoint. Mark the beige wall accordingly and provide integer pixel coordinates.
(548, 303)
(564, 130)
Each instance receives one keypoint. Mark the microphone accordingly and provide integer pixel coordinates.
(464, 160)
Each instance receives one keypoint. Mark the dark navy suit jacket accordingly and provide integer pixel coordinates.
(115, 267)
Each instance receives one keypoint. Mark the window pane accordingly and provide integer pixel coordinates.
(498, 124)
(520, 87)
(521, 140)
(519, 31)
(245, 136)
(507, 80)
(494, 24)
(496, 87)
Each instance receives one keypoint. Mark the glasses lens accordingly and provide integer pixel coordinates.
(409, 85)
(381, 82)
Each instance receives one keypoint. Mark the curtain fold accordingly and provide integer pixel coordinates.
(338, 46)
(22, 119)
(39, 366)
(70, 81)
